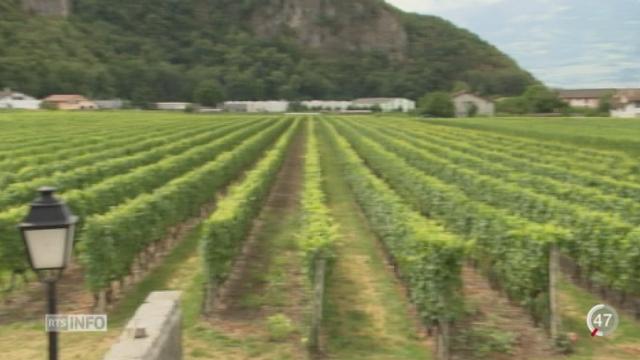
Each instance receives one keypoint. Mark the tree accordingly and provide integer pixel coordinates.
(208, 94)
(513, 105)
(543, 100)
(472, 110)
(604, 105)
(436, 104)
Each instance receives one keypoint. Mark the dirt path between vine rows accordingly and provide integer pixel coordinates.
(498, 322)
(268, 278)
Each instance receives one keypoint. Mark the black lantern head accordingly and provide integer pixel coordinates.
(48, 232)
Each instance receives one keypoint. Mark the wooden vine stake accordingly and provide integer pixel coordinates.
(318, 299)
(443, 340)
(554, 314)
(209, 296)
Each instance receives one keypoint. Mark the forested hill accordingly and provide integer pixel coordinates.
(146, 50)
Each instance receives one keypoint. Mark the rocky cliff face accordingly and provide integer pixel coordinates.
(333, 25)
(48, 7)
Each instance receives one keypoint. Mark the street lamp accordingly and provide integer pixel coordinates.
(48, 233)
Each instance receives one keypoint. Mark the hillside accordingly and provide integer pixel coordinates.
(165, 50)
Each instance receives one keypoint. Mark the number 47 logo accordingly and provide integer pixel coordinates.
(597, 321)
(602, 320)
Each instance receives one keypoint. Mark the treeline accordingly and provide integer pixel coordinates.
(205, 51)
(536, 99)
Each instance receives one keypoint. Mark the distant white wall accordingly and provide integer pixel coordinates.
(385, 104)
(327, 104)
(404, 105)
(275, 106)
(20, 104)
(172, 105)
(630, 110)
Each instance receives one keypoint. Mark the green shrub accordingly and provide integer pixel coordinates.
(279, 327)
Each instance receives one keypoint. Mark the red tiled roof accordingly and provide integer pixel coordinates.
(584, 93)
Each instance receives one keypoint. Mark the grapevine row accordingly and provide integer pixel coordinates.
(427, 257)
(80, 142)
(599, 260)
(615, 165)
(319, 233)
(80, 177)
(116, 145)
(114, 190)
(114, 239)
(543, 167)
(513, 251)
(492, 164)
(225, 230)
(532, 146)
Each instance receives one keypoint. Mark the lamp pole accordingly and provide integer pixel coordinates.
(52, 310)
(48, 233)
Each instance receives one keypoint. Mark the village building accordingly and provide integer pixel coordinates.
(273, 106)
(172, 106)
(327, 105)
(468, 104)
(584, 98)
(626, 104)
(70, 102)
(16, 100)
(385, 104)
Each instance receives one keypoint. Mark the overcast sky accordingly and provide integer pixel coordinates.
(565, 43)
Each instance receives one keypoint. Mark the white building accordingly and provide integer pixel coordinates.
(465, 102)
(626, 104)
(329, 105)
(174, 106)
(385, 104)
(273, 106)
(16, 100)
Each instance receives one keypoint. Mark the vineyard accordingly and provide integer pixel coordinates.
(356, 237)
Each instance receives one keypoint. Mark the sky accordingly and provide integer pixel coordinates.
(565, 43)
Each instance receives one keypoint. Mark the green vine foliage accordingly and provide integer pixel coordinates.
(114, 239)
(586, 228)
(173, 161)
(427, 257)
(513, 251)
(319, 231)
(226, 229)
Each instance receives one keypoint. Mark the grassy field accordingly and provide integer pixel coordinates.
(436, 222)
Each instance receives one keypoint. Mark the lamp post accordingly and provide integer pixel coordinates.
(48, 234)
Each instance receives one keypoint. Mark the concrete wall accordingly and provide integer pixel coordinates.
(160, 319)
(48, 7)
